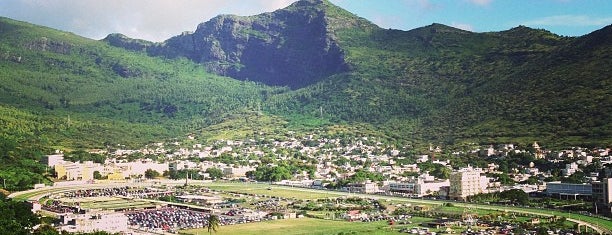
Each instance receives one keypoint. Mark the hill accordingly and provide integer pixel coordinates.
(295, 46)
(432, 83)
(328, 66)
(84, 83)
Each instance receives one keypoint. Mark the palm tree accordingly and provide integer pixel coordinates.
(213, 223)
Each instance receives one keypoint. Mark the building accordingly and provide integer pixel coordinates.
(200, 199)
(354, 215)
(538, 151)
(140, 167)
(363, 187)
(423, 185)
(568, 190)
(77, 171)
(89, 223)
(182, 165)
(466, 182)
(570, 169)
(602, 196)
(237, 172)
(52, 160)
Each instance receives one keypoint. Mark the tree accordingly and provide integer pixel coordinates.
(17, 217)
(441, 172)
(515, 195)
(213, 223)
(151, 174)
(45, 229)
(97, 175)
(214, 172)
(504, 179)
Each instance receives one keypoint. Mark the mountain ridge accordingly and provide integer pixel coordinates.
(262, 47)
(434, 83)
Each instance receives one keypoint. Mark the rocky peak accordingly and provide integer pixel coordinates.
(120, 40)
(295, 46)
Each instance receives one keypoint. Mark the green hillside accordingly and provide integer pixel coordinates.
(88, 93)
(434, 83)
(431, 84)
(331, 70)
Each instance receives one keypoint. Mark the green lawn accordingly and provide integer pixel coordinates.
(288, 192)
(272, 190)
(303, 226)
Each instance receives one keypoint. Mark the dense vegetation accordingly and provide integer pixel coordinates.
(77, 92)
(432, 84)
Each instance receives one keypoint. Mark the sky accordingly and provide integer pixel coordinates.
(158, 20)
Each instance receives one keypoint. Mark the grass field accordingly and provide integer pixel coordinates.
(272, 190)
(303, 226)
(109, 203)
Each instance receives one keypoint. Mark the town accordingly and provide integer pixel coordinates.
(574, 179)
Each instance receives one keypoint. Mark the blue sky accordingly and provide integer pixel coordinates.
(564, 17)
(157, 20)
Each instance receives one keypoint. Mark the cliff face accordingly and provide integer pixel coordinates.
(294, 46)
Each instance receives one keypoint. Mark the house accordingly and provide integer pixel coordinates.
(354, 215)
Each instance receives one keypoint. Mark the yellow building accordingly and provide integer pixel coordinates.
(117, 175)
(76, 171)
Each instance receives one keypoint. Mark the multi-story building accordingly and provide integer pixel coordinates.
(602, 196)
(52, 160)
(568, 190)
(77, 171)
(363, 187)
(423, 185)
(466, 182)
(236, 172)
(570, 169)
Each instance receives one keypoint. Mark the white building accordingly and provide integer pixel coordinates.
(180, 165)
(570, 169)
(88, 223)
(423, 185)
(467, 182)
(422, 158)
(140, 167)
(52, 160)
(364, 187)
(236, 172)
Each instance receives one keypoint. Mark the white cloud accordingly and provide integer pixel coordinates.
(154, 20)
(569, 20)
(466, 27)
(422, 4)
(481, 2)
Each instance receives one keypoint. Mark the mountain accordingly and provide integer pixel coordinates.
(75, 92)
(295, 46)
(326, 66)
